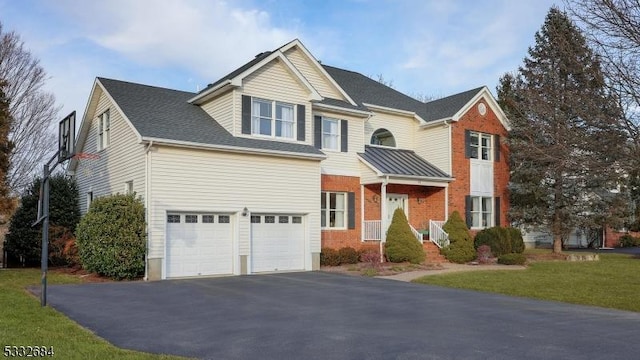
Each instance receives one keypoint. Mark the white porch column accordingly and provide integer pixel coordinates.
(446, 202)
(361, 212)
(383, 211)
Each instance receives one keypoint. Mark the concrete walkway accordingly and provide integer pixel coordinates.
(449, 268)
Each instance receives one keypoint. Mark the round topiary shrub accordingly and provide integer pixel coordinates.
(502, 240)
(401, 244)
(111, 237)
(348, 255)
(512, 259)
(460, 249)
(329, 257)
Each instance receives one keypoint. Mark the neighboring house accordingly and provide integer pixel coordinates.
(284, 156)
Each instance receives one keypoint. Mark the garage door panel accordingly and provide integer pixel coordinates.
(278, 245)
(199, 248)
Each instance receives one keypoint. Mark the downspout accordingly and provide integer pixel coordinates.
(147, 168)
(361, 213)
(383, 216)
(446, 202)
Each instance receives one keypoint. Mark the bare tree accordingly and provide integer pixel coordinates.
(613, 30)
(32, 109)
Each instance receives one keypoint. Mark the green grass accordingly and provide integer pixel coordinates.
(612, 282)
(23, 322)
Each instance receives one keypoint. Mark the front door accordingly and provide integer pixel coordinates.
(395, 201)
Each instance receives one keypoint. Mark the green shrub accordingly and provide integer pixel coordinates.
(629, 241)
(329, 257)
(401, 244)
(23, 241)
(512, 259)
(348, 255)
(460, 249)
(502, 240)
(111, 237)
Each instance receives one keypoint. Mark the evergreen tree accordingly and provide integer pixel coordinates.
(6, 146)
(564, 140)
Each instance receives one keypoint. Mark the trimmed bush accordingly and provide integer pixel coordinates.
(512, 259)
(329, 257)
(484, 254)
(348, 255)
(460, 249)
(370, 257)
(111, 237)
(401, 244)
(629, 241)
(502, 240)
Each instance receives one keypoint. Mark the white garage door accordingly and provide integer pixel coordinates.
(198, 245)
(277, 242)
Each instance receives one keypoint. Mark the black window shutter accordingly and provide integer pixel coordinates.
(496, 209)
(344, 136)
(301, 122)
(497, 148)
(317, 132)
(467, 210)
(351, 210)
(467, 144)
(246, 114)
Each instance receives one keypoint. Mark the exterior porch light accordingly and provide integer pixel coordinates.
(376, 198)
(245, 211)
(420, 200)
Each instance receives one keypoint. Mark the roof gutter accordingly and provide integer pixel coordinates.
(432, 124)
(234, 149)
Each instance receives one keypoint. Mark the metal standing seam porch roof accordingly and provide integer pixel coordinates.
(400, 162)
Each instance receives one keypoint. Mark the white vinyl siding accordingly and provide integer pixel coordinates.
(344, 163)
(104, 130)
(312, 74)
(190, 180)
(403, 128)
(221, 109)
(434, 145)
(274, 82)
(123, 160)
(367, 176)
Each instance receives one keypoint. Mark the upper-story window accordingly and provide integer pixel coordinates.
(330, 134)
(383, 137)
(104, 126)
(272, 118)
(480, 146)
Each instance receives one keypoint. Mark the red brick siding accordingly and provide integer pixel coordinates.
(460, 187)
(429, 207)
(612, 237)
(340, 238)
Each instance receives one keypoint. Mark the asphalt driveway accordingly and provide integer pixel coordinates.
(316, 315)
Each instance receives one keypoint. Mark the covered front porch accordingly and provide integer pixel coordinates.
(392, 179)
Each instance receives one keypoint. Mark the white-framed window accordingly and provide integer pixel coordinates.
(104, 127)
(128, 187)
(480, 146)
(272, 118)
(333, 210)
(89, 199)
(383, 137)
(481, 212)
(330, 134)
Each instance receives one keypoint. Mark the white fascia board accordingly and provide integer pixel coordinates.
(390, 110)
(435, 123)
(359, 113)
(318, 66)
(211, 93)
(419, 180)
(233, 149)
(493, 104)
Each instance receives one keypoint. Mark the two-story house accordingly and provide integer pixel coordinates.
(283, 156)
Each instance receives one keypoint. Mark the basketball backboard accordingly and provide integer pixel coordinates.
(67, 137)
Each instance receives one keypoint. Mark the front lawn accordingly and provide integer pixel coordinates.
(612, 282)
(24, 323)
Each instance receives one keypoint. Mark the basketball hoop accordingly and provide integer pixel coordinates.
(86, 162)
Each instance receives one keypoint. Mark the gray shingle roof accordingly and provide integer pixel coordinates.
(401, 162)
(341, 103)
(238, 71)
(363, 89)
(165, 114)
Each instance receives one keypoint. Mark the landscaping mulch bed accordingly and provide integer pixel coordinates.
(82, 274)
(379, 269)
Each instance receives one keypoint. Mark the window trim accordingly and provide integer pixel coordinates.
(338, 136)
(273, 120)
(327, 210)
(104, 130)
(128, 187)
(479, 147)
(481, 213)
(89, 199)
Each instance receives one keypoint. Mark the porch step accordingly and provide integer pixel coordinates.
(433, 253)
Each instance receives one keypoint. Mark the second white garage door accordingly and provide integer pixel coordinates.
(198, 245)
(277, 242)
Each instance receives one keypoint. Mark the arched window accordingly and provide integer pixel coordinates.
(383, 137)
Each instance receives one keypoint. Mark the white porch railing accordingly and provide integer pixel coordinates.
(437, 235)
(372, 230)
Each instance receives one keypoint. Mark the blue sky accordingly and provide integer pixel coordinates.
(425, 47)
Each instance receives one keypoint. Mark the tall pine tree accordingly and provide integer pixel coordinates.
(564, 139)
(6, 146)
